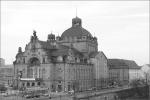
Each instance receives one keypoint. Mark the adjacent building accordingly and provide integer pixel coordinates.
(6, 74)
(2, 62)
(118, 71)
(63, 63)
(101, 71)
(134, 70)
(146, 72)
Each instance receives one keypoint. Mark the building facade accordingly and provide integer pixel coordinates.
(101, 75)
(6, 74)
(118, 71)
(2, 62)
(146, 72)
(63, 63)
(134, 70)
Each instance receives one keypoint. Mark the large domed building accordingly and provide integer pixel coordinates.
(62, 63)
(80, 38)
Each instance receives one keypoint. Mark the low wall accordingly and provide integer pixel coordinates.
(134, 92)
(119, 94)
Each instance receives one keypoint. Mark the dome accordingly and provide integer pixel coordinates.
(76, 30)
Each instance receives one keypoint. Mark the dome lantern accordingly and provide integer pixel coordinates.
(51, 37)
(76, 30)
(19, 50)
(76, 22)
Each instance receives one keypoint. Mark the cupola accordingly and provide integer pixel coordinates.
(19, 50)
(51, 37)
(76, 22)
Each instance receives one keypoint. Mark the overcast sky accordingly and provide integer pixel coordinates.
(122, 27)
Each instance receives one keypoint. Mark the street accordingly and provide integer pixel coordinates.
(40, 98)
(21, 98)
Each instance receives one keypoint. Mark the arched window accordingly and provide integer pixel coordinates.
(34, 61)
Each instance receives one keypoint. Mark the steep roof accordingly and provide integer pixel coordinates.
(122, 63)
(132, 64)
(75, 32)
(46, 45)
(116, 63)
(62, 50)
(93, 54)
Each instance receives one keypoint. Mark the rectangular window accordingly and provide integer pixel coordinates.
(43, 60)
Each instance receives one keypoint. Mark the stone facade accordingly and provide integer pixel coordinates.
(99, 61)
(63, 63)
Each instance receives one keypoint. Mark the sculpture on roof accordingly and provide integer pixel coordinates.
(34, 34)
(34, 37)
(19, 50)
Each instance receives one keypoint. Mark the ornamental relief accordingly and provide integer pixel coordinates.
(34, 61)
(33, 46)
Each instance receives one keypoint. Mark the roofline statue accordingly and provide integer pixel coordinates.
(34, 33)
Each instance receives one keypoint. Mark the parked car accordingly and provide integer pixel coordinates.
(32, 96)
(89, 89)
(71, 92)
(46, 94)
(5, 94)
(37, 96)
(28, 96)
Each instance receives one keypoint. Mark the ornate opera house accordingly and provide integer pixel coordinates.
(62, 63)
